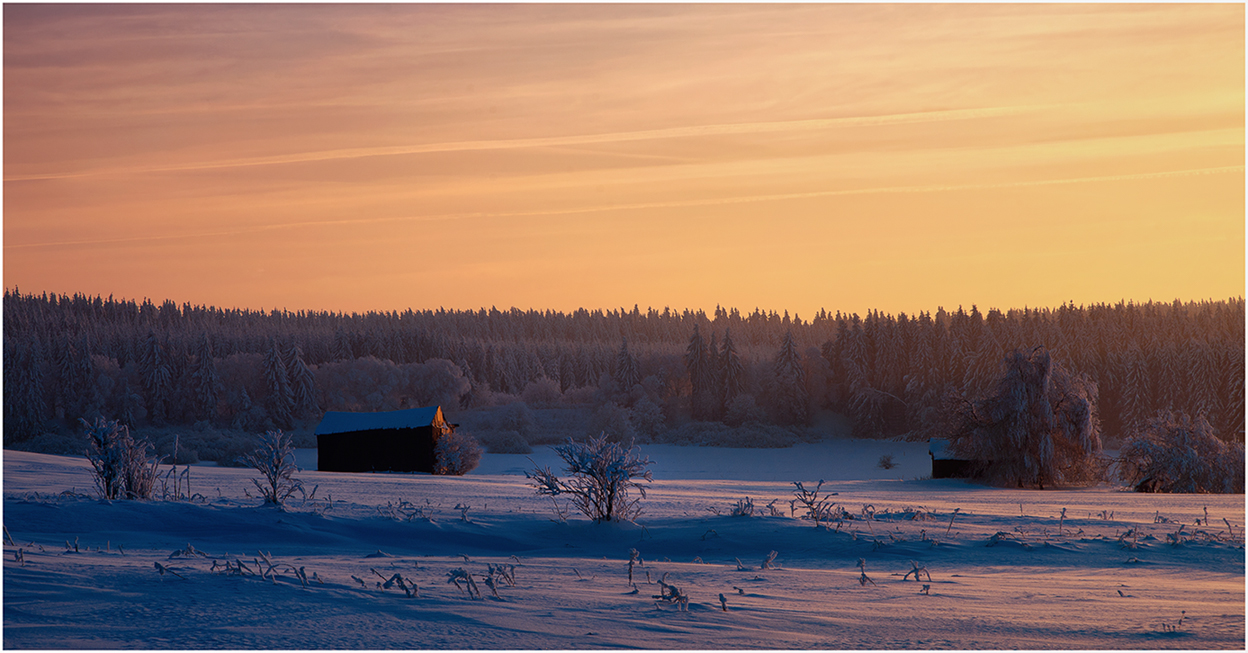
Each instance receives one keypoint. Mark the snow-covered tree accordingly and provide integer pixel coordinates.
(699, 375)
(603, 474)
(24, 406)
(792, 402)
(302, 384)
(281, 401)
(157, 378)
(627, 371)
(1172, 452)
(732, 369)
(1038, 426)
(207, 385)
(342, 346)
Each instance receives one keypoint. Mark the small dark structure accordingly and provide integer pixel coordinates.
(394, 441)
(944, 465)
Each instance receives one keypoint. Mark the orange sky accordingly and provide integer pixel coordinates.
(898, 157)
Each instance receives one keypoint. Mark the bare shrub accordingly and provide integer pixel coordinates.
(602, 475)
(457, 454)
(886, 462)
(275, 458)
(1175, 453)
(122, 468)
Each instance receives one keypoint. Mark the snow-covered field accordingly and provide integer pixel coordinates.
(1120, 570)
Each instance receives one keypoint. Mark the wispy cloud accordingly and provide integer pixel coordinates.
(553, 141)
(640, 206)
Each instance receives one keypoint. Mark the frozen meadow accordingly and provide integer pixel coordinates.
(906, 562)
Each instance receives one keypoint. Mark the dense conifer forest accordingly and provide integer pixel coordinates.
(639, 374)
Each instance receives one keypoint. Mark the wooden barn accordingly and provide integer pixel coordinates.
(946, 465)
(394, 441)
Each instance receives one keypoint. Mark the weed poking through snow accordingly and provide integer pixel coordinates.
(864, 578)
(162, 570)
(408, 587)
(743, 508)
(456, 575)
(1174, 628)
(818, 509)
(672, 595)
(916, 570)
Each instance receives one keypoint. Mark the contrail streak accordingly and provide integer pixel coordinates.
(650, 205)
(551, 141)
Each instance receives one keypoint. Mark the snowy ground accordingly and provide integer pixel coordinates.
(1121, 570)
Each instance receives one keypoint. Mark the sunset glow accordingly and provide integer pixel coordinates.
(380, 157)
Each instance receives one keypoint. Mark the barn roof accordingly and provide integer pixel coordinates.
(339, 422)
(939, 449)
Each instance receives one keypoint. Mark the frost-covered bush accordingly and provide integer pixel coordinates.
(603, 473)
(1175, 453)
(743, 409)
(541, 392)
(457, 454)
(503, 442)
(275, 458)
(56, 443)
(614, 421)
(1038, 425)
(646, 417)
(121, 465)
(517, 417)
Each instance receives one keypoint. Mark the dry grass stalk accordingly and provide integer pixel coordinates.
(951, 518)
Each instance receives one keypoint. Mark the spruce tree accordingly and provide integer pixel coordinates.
(627, 372)
(342, 346)
(277, 381)
(792, 400)
(733, 371)
(157, 378)
(207, 385)
(302, 383)
(699, 374)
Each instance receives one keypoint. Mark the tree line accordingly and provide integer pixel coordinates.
(70, 357)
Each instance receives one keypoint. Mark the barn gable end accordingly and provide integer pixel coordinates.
(945, 465)
(393, 441)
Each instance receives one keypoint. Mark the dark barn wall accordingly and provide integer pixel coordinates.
(953, 468)
(378, 450)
